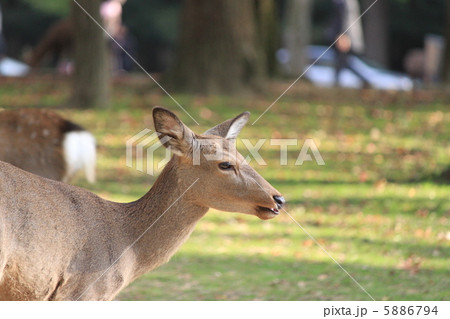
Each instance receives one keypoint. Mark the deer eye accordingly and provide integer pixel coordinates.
(225, 165)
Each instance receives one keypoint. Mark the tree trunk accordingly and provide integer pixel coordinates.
(268, 31)
(92, 74)
(219, 50)
(376, 31)
(446, 73)
(297, 35)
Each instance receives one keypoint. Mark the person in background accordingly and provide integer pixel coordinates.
(111, 12)
(346, 34)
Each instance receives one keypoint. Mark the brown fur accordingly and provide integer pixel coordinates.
(31, 139)
(60, 242)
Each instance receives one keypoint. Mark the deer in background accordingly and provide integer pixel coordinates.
(58, 41)
(42, 142)
(61, 242)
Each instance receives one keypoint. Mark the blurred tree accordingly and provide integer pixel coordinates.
(219, 49)
(297, 35)
(155, 26)
(376, 24)
(268, 31)
(154, 23)
(409, 22)
(446, 75)
(91, 76)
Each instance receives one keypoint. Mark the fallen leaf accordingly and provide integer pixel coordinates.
(322, 277)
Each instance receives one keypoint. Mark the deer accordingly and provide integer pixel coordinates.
(61, 242)
(42, 142)
(58, 40)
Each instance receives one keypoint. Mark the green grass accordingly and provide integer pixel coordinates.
(375, 206)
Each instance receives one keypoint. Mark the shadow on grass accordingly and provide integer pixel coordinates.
(388, 206)
(370, 184)
(225, 277)
(420, 249)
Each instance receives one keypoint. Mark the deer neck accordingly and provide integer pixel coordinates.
(163, 219)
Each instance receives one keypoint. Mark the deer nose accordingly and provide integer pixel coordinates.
(279, 200)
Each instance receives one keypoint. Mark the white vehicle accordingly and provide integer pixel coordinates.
(11, 67)
(322, 72)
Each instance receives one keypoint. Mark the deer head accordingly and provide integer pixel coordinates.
(225, 180)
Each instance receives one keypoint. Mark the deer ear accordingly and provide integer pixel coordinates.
(172, 133)
(230, 128)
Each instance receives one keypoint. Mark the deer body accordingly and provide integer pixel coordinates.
(79, 243)
(61, 242)
(43, 143)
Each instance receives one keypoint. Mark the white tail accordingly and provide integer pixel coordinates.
(79, 154)
(60, 242)
(43, 143)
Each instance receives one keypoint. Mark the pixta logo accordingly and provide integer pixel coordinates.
(141, 148)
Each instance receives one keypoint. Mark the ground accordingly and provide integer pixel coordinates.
(378, 206)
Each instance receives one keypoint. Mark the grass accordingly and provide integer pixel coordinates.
(375, 206)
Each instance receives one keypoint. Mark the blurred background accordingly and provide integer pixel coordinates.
(407, 36)
(375, 101)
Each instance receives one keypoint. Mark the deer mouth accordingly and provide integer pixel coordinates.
(266, 212)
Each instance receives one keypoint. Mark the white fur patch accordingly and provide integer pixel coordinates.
(80, 153)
